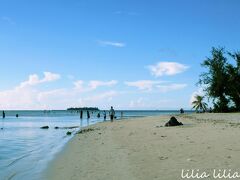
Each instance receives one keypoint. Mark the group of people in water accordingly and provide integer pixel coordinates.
(112, 114)
(4, 115)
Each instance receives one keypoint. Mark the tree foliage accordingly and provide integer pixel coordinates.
(221, 82)
(233, 84)
(198, 104)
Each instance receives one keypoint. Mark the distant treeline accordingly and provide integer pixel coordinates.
(83, 109)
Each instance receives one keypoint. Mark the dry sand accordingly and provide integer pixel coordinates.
(143, 150)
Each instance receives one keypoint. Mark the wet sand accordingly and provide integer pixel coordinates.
(143, 149)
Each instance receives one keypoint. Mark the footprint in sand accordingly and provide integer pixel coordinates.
(190, 159)
(163, 158)
(130, 134)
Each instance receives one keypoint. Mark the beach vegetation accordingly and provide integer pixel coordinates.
(198, 104)
(221, 80)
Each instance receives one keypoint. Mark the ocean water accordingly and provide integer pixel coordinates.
(26, 149)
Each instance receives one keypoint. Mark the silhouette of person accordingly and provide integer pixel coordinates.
(104, 115)
(17, 115)
(112, 114)
(88, 114)
(81, 114)
(3, 114)
(181, 111)
(98, 115)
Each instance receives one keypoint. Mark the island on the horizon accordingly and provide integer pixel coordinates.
(83, 109)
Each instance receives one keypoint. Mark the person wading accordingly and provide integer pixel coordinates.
(112, 113)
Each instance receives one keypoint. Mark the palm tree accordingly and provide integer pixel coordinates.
(198, 103)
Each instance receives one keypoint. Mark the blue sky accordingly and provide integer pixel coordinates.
(129, 54)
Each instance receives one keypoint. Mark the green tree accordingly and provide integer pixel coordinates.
(214, 81)
(233, 88)
(198, 104)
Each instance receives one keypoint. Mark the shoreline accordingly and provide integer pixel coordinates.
(141, 149)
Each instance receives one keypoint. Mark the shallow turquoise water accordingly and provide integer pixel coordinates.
(25, 149)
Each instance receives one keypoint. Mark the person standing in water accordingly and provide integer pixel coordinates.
(88, 115)
(3, 114)
(98, 115)
(112, 114)
(81, 114)
(104, 115)
(181, 111)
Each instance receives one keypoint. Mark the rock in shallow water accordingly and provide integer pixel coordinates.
(69, 133)
(44, 127)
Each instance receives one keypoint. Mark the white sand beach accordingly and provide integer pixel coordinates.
(144, 149)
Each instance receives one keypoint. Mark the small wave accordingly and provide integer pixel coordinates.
(16, 160)
(12, 176)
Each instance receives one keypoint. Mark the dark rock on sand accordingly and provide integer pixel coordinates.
(173, 122)
(85, 130)
(71, 127)
(45, 127)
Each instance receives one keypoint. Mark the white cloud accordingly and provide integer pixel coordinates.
(143, 84)
(48, 77)
(101, 100)
(139, 103)
(34, 79)
(170, 87)
(45, 95)
(60, 98)
(106, 96)
(159, 86)
(197, 92)
(96, 84)
(167, 68)
(92, 85)
(78, 85)
(25, 95)
(29, 94)
(18, 98)
(111, 43)
(145, 103)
